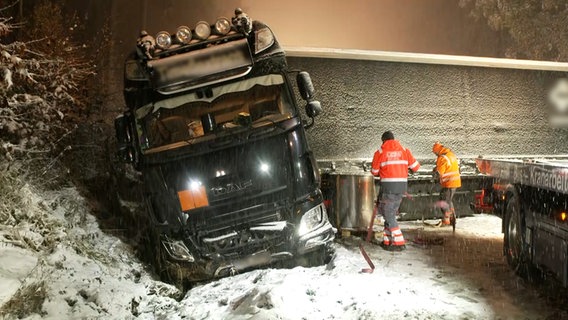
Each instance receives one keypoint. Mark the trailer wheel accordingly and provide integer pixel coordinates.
(514, 239)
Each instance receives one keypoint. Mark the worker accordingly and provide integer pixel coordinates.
(448, 170)
(391, 163)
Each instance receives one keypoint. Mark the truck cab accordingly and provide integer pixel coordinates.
(213, 126)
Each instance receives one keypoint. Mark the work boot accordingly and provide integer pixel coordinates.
(393, 248)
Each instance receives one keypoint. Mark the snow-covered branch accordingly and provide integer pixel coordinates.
(40, 93)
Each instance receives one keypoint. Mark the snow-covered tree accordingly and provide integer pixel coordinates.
(538, 28)
(42, 82)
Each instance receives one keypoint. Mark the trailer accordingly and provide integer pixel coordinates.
(531, 196)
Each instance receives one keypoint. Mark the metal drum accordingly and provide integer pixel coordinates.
(354, 200)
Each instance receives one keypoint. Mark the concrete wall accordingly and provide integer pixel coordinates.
(473, 110)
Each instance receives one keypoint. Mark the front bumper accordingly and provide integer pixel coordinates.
(216, 266)
(318, 238)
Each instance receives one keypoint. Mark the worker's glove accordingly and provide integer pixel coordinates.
(435, 175)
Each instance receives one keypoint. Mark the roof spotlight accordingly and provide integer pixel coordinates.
(163, 40)
(183, 34)
(202, 30)
(222, 26)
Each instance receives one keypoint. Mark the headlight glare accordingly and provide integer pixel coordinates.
(222, 26)
(311, 219)
(264, 38)
(163, 40)
(202, 30)
(183, 34)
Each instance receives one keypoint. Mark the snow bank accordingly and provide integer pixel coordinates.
(396, 290)
(66, 267)
(85, 273)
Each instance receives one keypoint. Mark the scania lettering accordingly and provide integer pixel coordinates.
(212, 125)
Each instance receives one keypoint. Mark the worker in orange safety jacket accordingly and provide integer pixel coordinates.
(391, 163)
(448, 170)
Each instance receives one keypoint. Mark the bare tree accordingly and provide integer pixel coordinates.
(538, 28)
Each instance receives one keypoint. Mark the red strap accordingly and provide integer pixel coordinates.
(366, 256)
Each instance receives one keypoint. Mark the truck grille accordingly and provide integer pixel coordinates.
(233, 233)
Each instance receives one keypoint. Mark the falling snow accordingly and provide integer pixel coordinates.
(91, 274)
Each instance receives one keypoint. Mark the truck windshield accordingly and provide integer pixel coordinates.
(213, 109)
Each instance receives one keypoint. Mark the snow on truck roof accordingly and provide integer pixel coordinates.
(550, 160)
(425, 58)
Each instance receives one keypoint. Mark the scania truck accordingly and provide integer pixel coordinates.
(213, 126)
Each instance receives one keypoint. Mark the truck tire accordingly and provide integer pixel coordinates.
(514, 244)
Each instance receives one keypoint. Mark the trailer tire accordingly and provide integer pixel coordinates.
(514, 244)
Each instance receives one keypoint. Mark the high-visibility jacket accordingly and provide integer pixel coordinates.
(448, 168)
(391, 163)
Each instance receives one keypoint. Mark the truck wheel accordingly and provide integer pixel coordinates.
(514, 239)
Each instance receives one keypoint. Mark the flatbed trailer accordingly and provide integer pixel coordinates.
(531, 196)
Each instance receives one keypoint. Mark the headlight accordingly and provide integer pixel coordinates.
(263, 40)
(183, 34)
(202, 30)
(178, 251)
(222, 26)
(311, 219)
(163, 40)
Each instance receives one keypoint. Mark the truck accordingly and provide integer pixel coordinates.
(530, 194)
(213, 127)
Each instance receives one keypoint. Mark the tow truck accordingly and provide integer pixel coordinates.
(212, 124)
(531, 196)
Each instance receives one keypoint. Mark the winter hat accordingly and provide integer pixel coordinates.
(437, 148)
(387, 135)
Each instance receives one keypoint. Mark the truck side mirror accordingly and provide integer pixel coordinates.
(306, 88)
(123, 138)
(313, 108)
(305, 85)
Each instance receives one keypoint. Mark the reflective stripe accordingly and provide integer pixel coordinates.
(394, 179)
(387, 163)
(398, 239)
(374, 171)
(414, 165)
(450, 176)
(450, 173)
(447, 159)
(386, 236)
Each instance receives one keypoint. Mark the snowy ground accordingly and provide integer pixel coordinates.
(88, 274)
